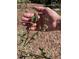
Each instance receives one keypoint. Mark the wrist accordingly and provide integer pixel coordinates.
(58, 26)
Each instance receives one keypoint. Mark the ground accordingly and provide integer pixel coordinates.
(36, 44)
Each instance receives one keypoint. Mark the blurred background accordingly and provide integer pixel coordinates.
(54, 3)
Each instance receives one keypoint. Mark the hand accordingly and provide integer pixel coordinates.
(52, 23)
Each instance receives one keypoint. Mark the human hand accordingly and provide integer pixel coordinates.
(54, 17)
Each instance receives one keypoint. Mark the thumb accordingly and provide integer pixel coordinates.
(40, 9)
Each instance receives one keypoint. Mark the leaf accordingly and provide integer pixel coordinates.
(34, 19)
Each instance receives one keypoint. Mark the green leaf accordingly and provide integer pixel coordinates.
(34, 19)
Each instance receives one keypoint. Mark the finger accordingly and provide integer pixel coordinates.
(23, 23)
(25, 19)
(40, 9)
(28, 15)
(34, 24)
(32, 28)
(26, 23)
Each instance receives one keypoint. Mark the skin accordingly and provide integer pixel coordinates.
(53, 18)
